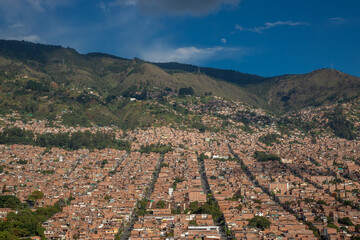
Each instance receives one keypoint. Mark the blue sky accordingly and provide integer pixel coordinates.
(261, 37)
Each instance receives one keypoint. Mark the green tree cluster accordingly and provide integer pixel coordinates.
(186, 91)
(25, 223)
(74, 141)
(156, 148)
(260, 222)
(236, 197)
(36, 195)
(332, 225)
(193, 223)
(262, 156)
(199, 126)
(269, 139)
(142, 207)
(7, 201)
(160, 204)
(202, 156)
(346, 221)
(342, 127)
(210, 207)
(37, 86)
(357, 227)
(239, 207)
(16, 136)
(176, 181)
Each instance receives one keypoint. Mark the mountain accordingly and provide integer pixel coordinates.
(294, 92)
(111, 76)
(107, 74)
(287, 92)
(227, 75)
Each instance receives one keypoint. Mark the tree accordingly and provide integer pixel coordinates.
(357, 227)
(342, 127)
(4, 188)
(346, 221)
(36, 195)
(262, 156)
(237, 195)
(6, 235)
(16, 135)
(269, 139)
(12, 202)
(200, 126)
(332, 225)
(159, 148)
(257, 201)
(142, 207)
(37, 86)
(203, 156)
(239, 207)
(186, 91)
(260, 222)
(321, 202)
(160, 204)
(193, 223)
(177, 210)
(194, 206)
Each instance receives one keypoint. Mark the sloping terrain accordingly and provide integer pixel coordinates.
(293, 92)
(108, 75)
(111, 76)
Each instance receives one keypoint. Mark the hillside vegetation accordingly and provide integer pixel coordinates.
(293, 92)
(95, 79)
(106, 74)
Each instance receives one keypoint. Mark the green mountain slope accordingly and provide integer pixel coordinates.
(110, 76)
(293, 92)
(107, 74)
(227, 75)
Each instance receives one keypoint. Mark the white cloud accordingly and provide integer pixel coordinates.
(177, 7)
(17, 25)
(269, 25)
(223, 40)
(30, 20)
(103, 6)
(125, 2)
(337, 20)
(37, 4)
(20, 7)
(26, 11)
(30, 38)
(191, 54)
